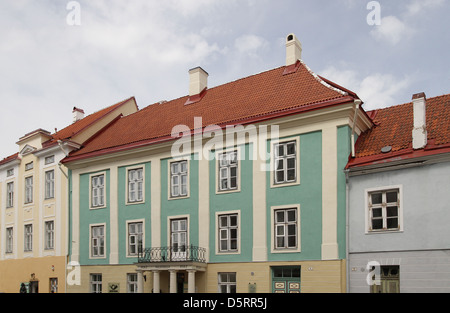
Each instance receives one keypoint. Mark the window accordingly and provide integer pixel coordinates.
(28, 238)
(98, 241)
(135, 185)
(179, 179)
(389, 279)
(9, 240)
(285, 162)
(10, 195)
(49, 159)
(228, 169)
(228, 233)
(227, 282)
(96, 283)
(49, 235)
(286, 228)
(98, 190)
(29, 166)
(49, 184)
(132, 285)
(29, 189)
(10, 172)
(53, 285)
(384, 210)
(135, 238)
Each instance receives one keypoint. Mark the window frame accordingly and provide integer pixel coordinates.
(28, 238)
(91, 191)
(179, 174)
(9, 195)
(49, 235)
(49, 185)
(91, 242)
(132, 283)
(383, 206)
(274, 245)
(9, 236)
(128, 237)
(228, 283)
(274, 161)
(227, 167)
(29, 189)
(96, 286)
(228, 214)
(141, 181)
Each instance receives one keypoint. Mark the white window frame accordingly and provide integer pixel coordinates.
(96, 285)
(178, 175)
(28, 190)
(274, 233)
(28, 238)
(137, 236)
(228, 282)
(10, 195)
(132, 283)
(49, 184)
(135, 183)
(49, 235)
(224, 168)
(227, 229)
(275, 157)
(10, 172)
(93, 242)
(29, 166)
(9, 240)
(100, 199)
(383, 206)
(49, 160)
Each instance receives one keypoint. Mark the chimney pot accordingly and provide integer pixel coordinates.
(293, 50)
(78, 114)
(198, 81)
(419, 133)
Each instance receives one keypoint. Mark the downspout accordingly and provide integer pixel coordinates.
(347, 229)
(357, 103)
(67, 221)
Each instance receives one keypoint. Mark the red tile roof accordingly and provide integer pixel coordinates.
(10, 158)
(249, 99)
(393, 127)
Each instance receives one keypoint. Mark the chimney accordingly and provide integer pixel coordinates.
(78, 114)
(198, 81)
(293, 50)
(419, 133)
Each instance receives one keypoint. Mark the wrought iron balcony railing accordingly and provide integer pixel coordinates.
(172, 254)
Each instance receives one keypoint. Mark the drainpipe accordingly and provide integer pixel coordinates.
(347, 228)
(67, 221)
(357, 103)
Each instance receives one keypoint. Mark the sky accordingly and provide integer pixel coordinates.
(57, 54)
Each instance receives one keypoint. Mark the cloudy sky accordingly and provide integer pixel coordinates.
(57, 54)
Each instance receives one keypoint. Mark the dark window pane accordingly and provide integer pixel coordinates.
(392, 211)
(376, 212)
(392, 223)
(377, 198)
(377, 224)
(391, 196)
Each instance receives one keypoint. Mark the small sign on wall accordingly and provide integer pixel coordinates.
(113, 288)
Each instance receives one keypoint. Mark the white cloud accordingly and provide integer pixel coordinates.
(418, 6)
(376, 90)
(391, 30)
(250, 45)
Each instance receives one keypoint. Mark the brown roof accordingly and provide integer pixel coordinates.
(393, 127)
(279, 91)
(10, 158)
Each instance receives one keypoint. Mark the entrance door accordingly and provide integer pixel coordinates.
(286, 279)
(178, 239)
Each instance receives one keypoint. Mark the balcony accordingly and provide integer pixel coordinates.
(172, 254)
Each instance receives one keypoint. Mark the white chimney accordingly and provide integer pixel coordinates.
(198, 81)
(78, 114)
(419, 133)
(293, 50)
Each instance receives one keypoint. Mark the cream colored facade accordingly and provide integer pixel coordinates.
(34, 225)
(34, 196)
